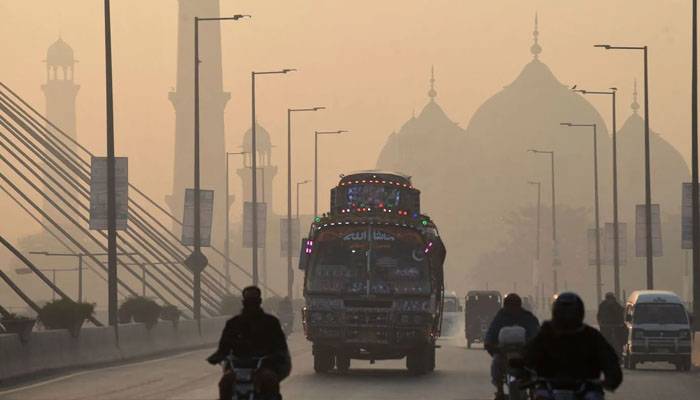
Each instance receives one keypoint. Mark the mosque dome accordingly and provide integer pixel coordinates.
(263, 144)
(60, 54)
(525, 115)
(668, 168)
(419, 146)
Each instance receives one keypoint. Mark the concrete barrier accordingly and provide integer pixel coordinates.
(56, 349)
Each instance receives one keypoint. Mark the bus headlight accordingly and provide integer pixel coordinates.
(638, 334)
(684, 335)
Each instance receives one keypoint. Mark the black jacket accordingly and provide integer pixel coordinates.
(580, 355)
(254, 333)
(610, 312)
(505, 318)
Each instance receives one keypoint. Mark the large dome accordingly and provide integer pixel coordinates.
(668, 168)
(418, 150)
(263, 144)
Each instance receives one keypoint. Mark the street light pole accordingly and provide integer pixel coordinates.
(197, 261)
(616, 224)
(694, 163)
(290, 270)
(555, 248)
(254, 168)
(79, 256)
(647, 160)
(535, 274)
(316, 133)
(227, 246)
(599, 281)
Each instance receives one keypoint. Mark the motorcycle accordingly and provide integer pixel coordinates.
(552, 389)
(511, 341)
(244, 370)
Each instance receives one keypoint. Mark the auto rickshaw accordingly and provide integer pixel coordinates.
(480, 308)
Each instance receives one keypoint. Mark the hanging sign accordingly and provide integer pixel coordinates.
(98, 192)
(206, 209)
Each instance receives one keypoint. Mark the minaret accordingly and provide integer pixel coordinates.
(60, 89)
(266, 171)
(212, 104)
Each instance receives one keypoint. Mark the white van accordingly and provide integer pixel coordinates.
(452, 315)
(658, 328)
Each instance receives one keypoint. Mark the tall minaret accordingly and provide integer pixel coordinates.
(212, 103)
(60, 89)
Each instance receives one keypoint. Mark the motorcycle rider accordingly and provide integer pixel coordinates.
(512, 314)
(611, 320)
(567, 350)
(254, 333)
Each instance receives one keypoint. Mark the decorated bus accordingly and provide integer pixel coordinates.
(373, 275)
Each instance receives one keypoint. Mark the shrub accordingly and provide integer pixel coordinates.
(14, 317)
(230, 305)
(169, 313)
(65, 314)
(141, 309)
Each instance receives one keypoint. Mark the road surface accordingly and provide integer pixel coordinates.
(461, 374)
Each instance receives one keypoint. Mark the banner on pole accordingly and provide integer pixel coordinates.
(206, 209)
(248, 224)
(284, 244)
(641, 231)
(98, 192)
(687, 216)
(609, 243)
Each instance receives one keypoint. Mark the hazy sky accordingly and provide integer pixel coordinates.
(368, 61)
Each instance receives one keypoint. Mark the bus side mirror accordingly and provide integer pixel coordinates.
(305, 253)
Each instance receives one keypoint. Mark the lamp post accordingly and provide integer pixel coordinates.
(112, 294)
(316, 133)
(694, 167)
(616, 227)
(647, 159)
(539, 207)
(197, 260)
(290, 270)
(80, 268)
(26, 271)
(555, 248)
(254, 167)
(535, 274)
(599, 282)
(227, 246)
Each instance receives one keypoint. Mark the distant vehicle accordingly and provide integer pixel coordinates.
(373, 276)
(452, 315)
(480, 306)
(659, 329)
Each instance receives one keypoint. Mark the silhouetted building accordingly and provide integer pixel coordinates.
(212, 104)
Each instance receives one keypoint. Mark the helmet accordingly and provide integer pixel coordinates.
(568, 311)
(610, 296)
(512, 301)
(252, 296)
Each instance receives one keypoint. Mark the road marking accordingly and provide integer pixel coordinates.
(81, 373)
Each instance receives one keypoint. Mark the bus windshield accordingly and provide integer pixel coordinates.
(390, 260)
